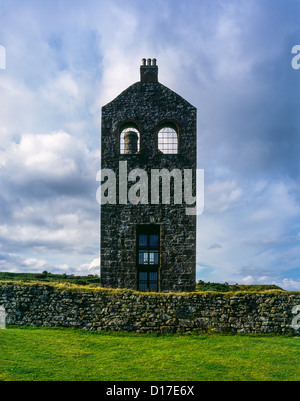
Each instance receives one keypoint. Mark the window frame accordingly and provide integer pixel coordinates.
(171, 125)
(148, 230)
(127, 126)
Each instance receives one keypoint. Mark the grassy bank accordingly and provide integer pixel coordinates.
(66, 354)
(91, 280)
(46, 277)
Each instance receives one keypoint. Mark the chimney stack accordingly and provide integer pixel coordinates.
(149, 70)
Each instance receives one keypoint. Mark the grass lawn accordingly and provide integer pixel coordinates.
(67, 354)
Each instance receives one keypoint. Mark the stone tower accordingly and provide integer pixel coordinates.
(148, 147)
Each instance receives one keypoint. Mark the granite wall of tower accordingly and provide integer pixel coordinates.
(148, 106)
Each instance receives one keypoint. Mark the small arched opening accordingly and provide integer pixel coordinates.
(168, 139)
(129, 140)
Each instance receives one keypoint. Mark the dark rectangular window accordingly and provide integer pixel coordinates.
(148, 248)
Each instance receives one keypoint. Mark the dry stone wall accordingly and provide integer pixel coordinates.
(127, 310)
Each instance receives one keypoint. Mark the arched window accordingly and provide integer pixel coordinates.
(129, 141)
(168, 140)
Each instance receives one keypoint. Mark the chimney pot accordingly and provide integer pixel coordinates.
(149, 72)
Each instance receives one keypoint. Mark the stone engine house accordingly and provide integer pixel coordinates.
(148, 243)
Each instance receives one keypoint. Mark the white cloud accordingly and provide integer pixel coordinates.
(250, 229)
(91, 268)
(287, 284)
(54, 156)
(290, 284)
(61, 92)
(221, 195)
(35, 264)
(49, 188)
(247, 280)
(17, 103)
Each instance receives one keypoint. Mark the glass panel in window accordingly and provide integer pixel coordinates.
(142, 287)
(152, 281)
(143, 281)
(154, 240)
(153, 287)
(143, 258)
(168, 141)
(153, 276)
(143, 276)
(153, 258)
(142, 240)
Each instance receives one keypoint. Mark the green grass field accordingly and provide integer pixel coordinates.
(36, 354)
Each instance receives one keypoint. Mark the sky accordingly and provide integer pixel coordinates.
(231, 59)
